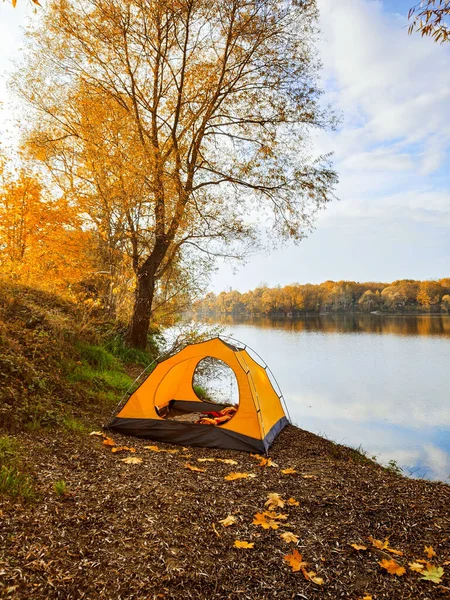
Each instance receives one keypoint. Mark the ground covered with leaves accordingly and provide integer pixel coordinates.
(126, 518)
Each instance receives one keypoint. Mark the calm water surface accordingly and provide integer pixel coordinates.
(379, 382)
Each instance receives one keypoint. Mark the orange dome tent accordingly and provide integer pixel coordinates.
(258, 419)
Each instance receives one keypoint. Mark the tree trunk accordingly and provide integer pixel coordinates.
(140, 321)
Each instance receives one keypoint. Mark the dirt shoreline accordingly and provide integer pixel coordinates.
(151, 530)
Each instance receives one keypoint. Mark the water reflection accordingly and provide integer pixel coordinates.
(350, 323)
(364, 380)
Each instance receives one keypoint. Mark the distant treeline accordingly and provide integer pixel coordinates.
(401, 296)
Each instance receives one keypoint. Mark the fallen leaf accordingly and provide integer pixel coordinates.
(109, 442)
(289, 537)
(274, 501)
(206, 459)
(416, 566)
(262, 520)
(227, 461)
(152, 448)
(122, 449)
(233, 476)
(267, 462)
(309, 476)
(98, 434)
(273, 515)
(433, 574)
(230, 520)
(429, 551)
(378, 543)
(358, 546)
(295, 560)
(396, 552)
(392, 567)
(366, 598)
(312, 576)
(215, 530)
(447, 562)
(288, 471)
(239, 544)
(194, 468)
(293, 502)
(131, 460)
(172, 451)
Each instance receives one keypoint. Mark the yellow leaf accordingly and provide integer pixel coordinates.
(295, 560)
(122, 449)
(416, 566)
(289, 537)
(230, 520)
(288, 471)
(358, 546)
(262, 520)
(109, 442)
(392, 567)
(98, 434)
(396, 552)
(194, 468)
(205, 459)
(378, 543)
(309, 476)
(234, 476)
(267, 462)
(227, 461)
(293, 502)
(273, 515)
(366, 598)
(433, 574)
(429, 551)
(239, 544)
(313, 577)
(132, 460)
(152, 448)
(215, 530)
(274, 501)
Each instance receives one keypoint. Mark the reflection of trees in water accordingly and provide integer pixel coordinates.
(217, 379)
(350, 323)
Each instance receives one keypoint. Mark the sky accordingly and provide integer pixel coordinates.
(391, 150)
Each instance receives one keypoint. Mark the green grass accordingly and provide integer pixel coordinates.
(15, 484)
(60, 487)
(98, 357)
(9, 450)
(117, 347)
(74, 425)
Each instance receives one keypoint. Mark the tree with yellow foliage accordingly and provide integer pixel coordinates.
(212, 102)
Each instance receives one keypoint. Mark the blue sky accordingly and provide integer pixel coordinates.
(392, 151)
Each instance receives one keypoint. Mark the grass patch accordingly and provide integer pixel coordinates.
(74, 425)
(9, 450)
(117, 347)
(15, 484)
(60, 487)
(98, 357)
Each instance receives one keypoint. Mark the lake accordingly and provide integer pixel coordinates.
(381, 383)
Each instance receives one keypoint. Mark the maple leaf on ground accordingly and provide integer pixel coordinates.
(392, 567)
(312, 576)
(241, 544)
(288, 471)
(234, 476)
(274, 501)
(122, 449)
(358, 546)
(289, 537)
(98, 434)
(273, 515)
(433, 574)
(227, 461)
(206, 459)
(293, 502)
(194, 468)
(378, 543)
(416, 566)
(152, 448)
(267, 462)
(230, 520)
(131, 460)
(109, 442)
(429, 551)
(262, 520)
(295, 560)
